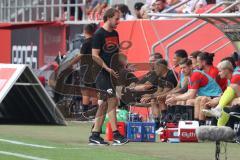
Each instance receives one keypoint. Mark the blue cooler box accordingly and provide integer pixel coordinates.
(148, 132)
(134, 131)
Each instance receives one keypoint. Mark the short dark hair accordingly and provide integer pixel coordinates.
(90, 28)
(138, 6)
(124, 10)
(188, 62)
(163, 1)
(162, 62)
(195, 54)
(208, 57)
(236, 56)
(109, 13)
(181, 53)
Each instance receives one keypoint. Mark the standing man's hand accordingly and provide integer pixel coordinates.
(171, 101)
(112, 72)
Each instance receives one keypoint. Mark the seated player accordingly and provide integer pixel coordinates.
(200, 84)
(181, 88)
(179, 56)
(230, 95)
(207, 102)
(205, 63)
(149, 79)
(148, 84)
(166, 82)
(193, 56)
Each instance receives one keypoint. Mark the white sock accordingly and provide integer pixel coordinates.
(217, 108)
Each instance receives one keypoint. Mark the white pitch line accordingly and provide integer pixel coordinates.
(77, 148)
(37, 146)
(26, 144)
(21, 155)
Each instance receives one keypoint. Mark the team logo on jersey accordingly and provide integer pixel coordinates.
(111, 45)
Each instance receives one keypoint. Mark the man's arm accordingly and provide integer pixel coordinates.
(143, 87)
(164, 93)
(76, 59)
(100, 62)
(190, 94)
(179, 90)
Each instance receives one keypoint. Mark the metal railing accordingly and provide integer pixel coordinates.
(187, 25)
(41, 10)
(180, 4)
(221, 47)
(195, 29)
(212, 43)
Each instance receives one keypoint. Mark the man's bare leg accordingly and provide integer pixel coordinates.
(203, 103)
(111, 110)
(191, 102)
(100, 116)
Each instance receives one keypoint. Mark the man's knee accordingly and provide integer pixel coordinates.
(198, 99)
(102, 105)
(190, 102)
(204, 101)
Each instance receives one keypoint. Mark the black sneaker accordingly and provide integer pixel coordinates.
(97, 141)
(119, 140)
(85, 117)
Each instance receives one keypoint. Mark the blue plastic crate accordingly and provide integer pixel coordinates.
(148, 132)
(134, 131)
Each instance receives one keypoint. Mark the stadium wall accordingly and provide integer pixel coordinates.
(142, 35)
(33, 43)
(136, 37)
(53, 38)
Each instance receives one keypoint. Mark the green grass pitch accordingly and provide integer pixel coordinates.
(71, 143)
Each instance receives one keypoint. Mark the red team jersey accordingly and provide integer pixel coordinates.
(197, 80)
(213, 72)
(236, 78)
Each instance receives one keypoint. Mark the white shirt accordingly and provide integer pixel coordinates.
(192, 5)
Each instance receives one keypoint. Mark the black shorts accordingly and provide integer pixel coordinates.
(212, 97)
(233, 119)
(86, 77)
(105, 84)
